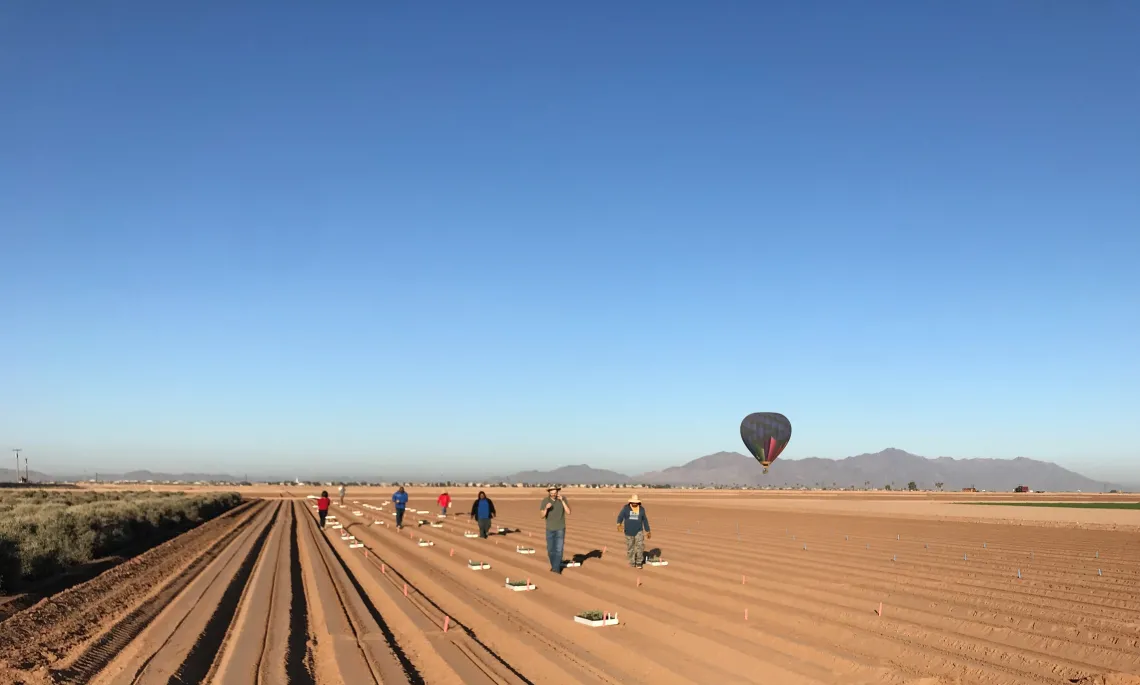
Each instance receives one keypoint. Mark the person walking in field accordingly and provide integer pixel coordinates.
(483, 510)
(444, 502)
(635, 523)
(342, 494)
(323, 506)
(555, 509)
(400, 499)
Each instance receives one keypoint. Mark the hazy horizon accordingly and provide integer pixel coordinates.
(493, 237)
(405, 471)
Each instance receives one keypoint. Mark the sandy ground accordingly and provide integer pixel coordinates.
(760, 588)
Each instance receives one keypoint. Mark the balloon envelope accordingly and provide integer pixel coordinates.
(766, 434)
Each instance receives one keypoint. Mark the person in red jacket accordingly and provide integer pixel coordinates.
(323, 506)
(444, 502)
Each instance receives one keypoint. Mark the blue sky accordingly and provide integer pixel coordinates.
(464, 237)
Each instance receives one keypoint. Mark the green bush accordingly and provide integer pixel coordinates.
(44, 532)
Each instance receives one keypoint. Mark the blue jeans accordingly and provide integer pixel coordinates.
(399, 517)
(555, 541)
(444, 512)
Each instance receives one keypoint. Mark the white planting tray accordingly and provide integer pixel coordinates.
(611, 621)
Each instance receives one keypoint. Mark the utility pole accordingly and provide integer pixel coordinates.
(27, 473)
(17, 451)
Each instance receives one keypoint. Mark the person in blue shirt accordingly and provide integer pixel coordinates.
(483, 510)
(635, 523)
(400, 499)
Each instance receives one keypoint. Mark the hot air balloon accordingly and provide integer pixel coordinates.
(766, 434)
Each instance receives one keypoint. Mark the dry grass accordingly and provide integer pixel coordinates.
(44, 532)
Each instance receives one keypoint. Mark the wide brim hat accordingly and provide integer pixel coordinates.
(634, 499)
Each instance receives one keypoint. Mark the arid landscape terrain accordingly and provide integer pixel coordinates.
(760, 588)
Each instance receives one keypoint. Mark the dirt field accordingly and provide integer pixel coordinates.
(760, 588)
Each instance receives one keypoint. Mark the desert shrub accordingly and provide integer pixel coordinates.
(43, 535)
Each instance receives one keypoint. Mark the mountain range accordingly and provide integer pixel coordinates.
(891, 466)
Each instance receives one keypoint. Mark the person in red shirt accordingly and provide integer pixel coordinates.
(444, 502)
(323, 506)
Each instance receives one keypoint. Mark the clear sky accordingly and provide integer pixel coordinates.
(467, 237)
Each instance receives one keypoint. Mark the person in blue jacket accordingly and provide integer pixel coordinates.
(400, 499)
(635, 523)
(483, 510)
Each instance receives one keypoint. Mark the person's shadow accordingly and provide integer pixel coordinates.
(653, 553)
(509, 531)
(592, 554)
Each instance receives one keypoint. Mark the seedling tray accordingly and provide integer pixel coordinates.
(522, 586)
(601, 620)
(524, 550)
(426, 543)
(656, 562)
(478, 565)
(469, 534)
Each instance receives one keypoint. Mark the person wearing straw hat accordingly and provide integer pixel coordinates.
(555, 509)
(635, 523)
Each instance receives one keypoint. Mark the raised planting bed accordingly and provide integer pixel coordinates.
(478, 565)
(519, 585)
(469, 534)
(524, 550)
(656, 561)
(426, 543)
(596, 619)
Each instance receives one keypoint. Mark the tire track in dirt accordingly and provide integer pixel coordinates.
(350, 636)
(256, 648)
(179, 645)
(105, 646)
(442, 656)
(57, 631)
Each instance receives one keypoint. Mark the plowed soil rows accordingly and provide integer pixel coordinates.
(750, 595)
